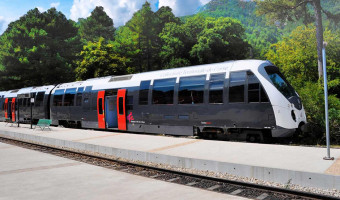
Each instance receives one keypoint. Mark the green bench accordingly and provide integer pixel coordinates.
(44, 123)
(8, 121)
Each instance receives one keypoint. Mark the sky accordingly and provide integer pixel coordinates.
(119, 10)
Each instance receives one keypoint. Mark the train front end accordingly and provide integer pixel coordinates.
(289, 113)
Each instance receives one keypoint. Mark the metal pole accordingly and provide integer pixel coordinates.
(328, 157)
(31, 113)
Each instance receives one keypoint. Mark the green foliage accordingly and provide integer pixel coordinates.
(97, 25)
(202, 40)
(143, 23)
(284, 10)
(296, 57)
(38, 49)
(259, 35)
(220, 40)
(145, 27)
(99, 59)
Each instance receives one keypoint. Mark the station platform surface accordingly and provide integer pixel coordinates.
(27, 174)
(282, 164)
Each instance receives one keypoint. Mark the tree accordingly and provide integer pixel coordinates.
(126, 45)
(295, 56)
(176, 47)
(220, 40)
(97, 25)
(99, 60)
(203, 40)
(178, 40)
(38, 49)
(143, 23)
(290, 10)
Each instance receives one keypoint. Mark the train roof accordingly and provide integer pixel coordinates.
(36, 89)
(11, 93)
(134, 79)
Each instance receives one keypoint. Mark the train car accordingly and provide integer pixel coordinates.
(40, 107)
(247, 99)
(9, 105)
(2, 105)
(74, 104)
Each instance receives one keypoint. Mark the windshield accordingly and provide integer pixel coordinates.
(280, 82)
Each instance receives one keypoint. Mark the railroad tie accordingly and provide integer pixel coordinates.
(154, 176)
(173, 179)
(214, 187)
(191, 184)
(262, 196)
(236, 192)
(141, 172)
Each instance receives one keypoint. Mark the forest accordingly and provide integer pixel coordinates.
(44, 48)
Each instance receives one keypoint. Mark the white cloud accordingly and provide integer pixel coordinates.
(41, 9)
(3, 24)
(55, 4)
(181, 7)
(119, 10)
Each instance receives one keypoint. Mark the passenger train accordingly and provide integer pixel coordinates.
(248, 99)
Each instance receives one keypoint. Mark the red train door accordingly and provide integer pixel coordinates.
(6, 108)
(121, 112)
(13, 109)
(100, 109)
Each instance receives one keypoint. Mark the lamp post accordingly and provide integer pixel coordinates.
(32, 101)
(328, 157)
(18, 105)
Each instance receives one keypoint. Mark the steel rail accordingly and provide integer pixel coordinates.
(221, 180)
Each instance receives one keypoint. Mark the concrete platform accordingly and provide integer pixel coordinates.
(27, 174)
(276, 163)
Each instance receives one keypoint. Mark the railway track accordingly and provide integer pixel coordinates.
(237, 188)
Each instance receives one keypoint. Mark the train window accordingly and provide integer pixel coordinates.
(19, 102)
(58, 97)
(253, 89)
(28, 104)
(39, 99)
(24, 102)
(264, 97)
(121, 105)
(191, 90)
(69, 97)
(144, 92)
(280, 82)
(129, 102)
(79, 96)
(94, 101)
(100, 105)
(88, 88)
(163, 91)
(236, 88)
(216, 85)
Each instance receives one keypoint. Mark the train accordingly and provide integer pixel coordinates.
(245, 99)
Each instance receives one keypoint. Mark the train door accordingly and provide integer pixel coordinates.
(13, 109)
(6, 108)
(121, 109)
(101, 109)
(111, 111)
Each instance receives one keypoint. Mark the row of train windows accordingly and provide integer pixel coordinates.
(38, 100)
(191, 89)
(72, 97)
